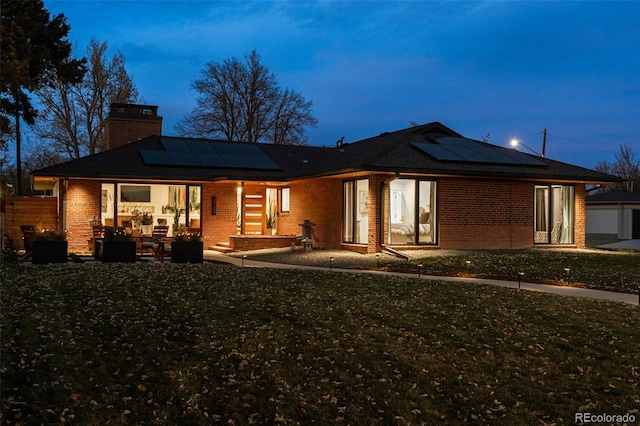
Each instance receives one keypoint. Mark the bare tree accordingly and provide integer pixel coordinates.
(624, 166)
(74, 116)
(241, 101)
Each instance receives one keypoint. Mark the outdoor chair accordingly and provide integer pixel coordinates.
(162, 249)
(159, 233)
(27, 238)
(97, 234)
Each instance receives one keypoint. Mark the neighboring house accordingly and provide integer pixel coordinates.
(424, 187)
(613, 215)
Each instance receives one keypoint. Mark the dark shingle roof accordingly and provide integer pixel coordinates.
(390, 152)
(614, 197)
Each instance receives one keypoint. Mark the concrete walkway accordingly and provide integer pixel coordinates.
(622, 245)
(545, 288)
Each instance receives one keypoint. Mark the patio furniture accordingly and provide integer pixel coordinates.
(27, 238)
(97, 233)
(159, 232)
(163, 246)
(162, 249)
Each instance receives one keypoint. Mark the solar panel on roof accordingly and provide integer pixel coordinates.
(472, 155)
(206, 153)
(184, 158)
(469, 151)
(437, 151)
(201, 147)
(238, 161)
(521, 157)
(156, 158)
(227, 148)
(212, 160)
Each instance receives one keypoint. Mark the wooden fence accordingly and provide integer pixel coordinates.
(40, 211)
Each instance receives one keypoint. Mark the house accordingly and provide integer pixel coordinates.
(613, 216)
(424, 187)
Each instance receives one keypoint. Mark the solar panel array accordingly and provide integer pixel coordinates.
(204, 153)
(464, 150)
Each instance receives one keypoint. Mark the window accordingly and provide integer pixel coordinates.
(356, 211)
(412, 208)
(173, 205)
(285, 200)
(554, 214)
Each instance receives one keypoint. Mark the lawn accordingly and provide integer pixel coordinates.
(125, 344)
(601, 269)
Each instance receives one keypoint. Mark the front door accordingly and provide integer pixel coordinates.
(253, 210)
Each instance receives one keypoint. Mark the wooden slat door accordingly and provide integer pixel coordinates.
(253, 211)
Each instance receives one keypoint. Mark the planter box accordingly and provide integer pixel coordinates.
(119, 251)
(187, 251)
(49, 252)
(147, 229)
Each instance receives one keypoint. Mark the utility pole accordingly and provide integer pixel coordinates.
(544, 142)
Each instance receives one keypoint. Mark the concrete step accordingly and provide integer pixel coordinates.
(221, 249)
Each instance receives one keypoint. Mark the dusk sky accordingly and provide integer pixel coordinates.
(504, 68)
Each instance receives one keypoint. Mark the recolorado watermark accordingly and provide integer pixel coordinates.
(603, 418)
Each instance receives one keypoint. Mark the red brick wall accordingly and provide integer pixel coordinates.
(581, 216)
(485, 214)
(82, 203)
(122, 130)
(472, 213)
(320, 201)
(217, 228)
(376, 183)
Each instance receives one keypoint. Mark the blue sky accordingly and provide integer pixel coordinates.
(504, 68)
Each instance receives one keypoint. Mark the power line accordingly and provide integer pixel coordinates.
(583, 141)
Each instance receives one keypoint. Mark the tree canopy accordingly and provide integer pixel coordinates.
(240, 100)
(34, 51)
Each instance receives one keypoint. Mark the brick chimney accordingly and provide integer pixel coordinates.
(128, 122)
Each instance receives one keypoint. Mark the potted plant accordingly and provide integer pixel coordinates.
(187, 247)
(117, 246)
(146, 222)
(271, 223)
(49, 247)
(177, 212)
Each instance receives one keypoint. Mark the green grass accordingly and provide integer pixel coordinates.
(587, 268)
(199, 344)
(590, 269)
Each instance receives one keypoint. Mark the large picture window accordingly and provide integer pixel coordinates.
(412, 210)
(356, 215)
(554, 214)
(175, 205)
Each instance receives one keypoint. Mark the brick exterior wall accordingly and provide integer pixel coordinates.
(580, 230)
(82, 203)
(471, 213)
(485, 214)
(376, 184)
(122, 130)
(320, 201)
(217, 228)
